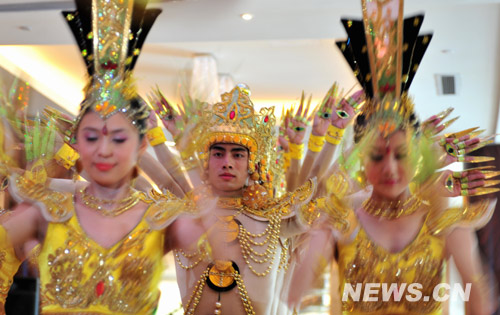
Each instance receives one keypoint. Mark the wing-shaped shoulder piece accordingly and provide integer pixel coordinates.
(474, 215)
(55, 206)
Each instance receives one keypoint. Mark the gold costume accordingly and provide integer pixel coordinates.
(254, 229)
(422, 261)
(8, 266)
(79, 276)
(257, 240)
(384, 51)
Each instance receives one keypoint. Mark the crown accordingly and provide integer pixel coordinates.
(384, 51)
(235, 120)
(110, 34)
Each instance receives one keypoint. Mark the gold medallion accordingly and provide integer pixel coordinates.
(221, 275)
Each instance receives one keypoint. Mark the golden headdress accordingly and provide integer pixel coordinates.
(110, 34)
(234, 120)
(384, 51)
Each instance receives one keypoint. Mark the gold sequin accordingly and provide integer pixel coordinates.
(363, 262)
(78, 274)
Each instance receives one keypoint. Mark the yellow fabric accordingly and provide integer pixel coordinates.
(9, 264)
(363, 261)
(77, 275)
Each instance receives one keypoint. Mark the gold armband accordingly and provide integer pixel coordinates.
(334, 135)
(296, 151)
(155, 136)
(316, 143)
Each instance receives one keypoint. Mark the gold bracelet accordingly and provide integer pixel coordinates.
(155, 136)
(334, 135)
(66, 156)
(316, 143)
(296, 151)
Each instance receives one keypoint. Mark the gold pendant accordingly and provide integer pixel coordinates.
(221, 275)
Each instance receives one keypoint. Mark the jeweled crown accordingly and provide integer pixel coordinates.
(235, 120)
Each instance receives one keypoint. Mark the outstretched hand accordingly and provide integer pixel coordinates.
(346, 110)
(296, 127)
(469, 182)
(322, 117)
(170, 118)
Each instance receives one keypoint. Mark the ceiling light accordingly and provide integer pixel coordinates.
(246, 16)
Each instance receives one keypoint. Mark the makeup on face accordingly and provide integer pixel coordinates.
(386, 166)
(108, 148)
(227, 168)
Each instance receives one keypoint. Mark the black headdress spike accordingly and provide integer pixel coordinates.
(384, 51)
(110, 35)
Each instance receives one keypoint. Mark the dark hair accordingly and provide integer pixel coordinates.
(136, 104)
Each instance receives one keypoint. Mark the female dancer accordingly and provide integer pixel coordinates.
(392, 258)
(100, 247)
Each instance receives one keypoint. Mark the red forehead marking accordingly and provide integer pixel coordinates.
(105, 130)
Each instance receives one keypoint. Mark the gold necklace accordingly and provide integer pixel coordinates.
(392, 209)
(267, 241)
(102, 205)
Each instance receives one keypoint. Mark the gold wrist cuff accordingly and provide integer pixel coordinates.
(334, 135)
(296, 151)
(155, 136)
(316, 143)
(66, 156)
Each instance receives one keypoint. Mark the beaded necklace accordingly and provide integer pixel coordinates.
(392, 209)
(102, 205)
